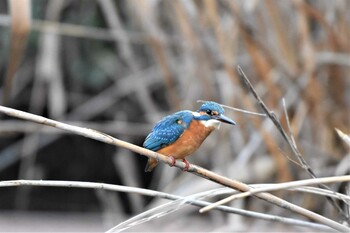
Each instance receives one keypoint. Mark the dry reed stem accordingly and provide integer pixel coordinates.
(148, 21)
(20, 27)
(93, 134)
(280, 186)
(283, 44)
(152, 193)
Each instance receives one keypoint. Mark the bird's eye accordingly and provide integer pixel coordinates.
(209, 112)
(179, 122)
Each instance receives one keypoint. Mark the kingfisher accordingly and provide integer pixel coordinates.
(181, 134)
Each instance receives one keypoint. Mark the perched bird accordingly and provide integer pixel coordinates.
(180, 134)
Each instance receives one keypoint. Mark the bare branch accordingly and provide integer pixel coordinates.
(152, 193)
(274, 187)
(285, 136)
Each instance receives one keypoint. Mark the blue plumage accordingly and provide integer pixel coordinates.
(211, 106)
(173, 136)
(168, 130)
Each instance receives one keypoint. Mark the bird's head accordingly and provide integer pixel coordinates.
(212, 114)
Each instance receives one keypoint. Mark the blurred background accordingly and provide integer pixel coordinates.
(120, 66)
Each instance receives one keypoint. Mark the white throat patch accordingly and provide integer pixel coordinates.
(210, 123)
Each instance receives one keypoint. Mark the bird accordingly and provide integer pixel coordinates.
(181, 134)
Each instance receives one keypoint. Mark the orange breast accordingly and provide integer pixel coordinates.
(189, 142)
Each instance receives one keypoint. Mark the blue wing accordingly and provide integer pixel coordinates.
(167, 130)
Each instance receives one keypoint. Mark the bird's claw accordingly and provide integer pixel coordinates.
(187, 165)
(173, 161)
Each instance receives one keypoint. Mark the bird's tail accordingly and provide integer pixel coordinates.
(151, 164)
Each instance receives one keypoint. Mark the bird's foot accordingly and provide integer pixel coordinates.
(173, 161)
(187, 165)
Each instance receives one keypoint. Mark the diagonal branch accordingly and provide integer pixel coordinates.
(289, 140)
(306, 166)
(196, 170)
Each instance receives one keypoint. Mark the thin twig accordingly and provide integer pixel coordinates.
(346, 138)
(93, 134)
(237, 109)
(292, 145)
(288, 123)
(308, 168)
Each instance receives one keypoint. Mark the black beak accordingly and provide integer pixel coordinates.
(224, 119)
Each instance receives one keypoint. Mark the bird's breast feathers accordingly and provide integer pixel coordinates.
(196, 133)
(189, 141)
